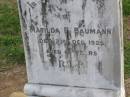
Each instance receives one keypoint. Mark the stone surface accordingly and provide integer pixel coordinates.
(74, 43)
(60, 91)
(17, 94)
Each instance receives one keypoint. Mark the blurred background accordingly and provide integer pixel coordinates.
(12, 61)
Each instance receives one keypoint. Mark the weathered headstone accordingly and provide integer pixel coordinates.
(73, 48)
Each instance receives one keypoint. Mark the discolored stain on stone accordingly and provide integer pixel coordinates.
(33, 24)
(44, 4)
(26, 37)
(82, 22)
(99, 67)
(68, 48)
(22, 15)
(40, 46)
(50, 48)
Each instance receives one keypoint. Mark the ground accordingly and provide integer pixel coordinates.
(12, 80)
(127, 86)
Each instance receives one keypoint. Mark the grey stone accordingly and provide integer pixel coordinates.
(73, 43)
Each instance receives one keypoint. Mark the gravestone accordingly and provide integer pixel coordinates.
(73, 48)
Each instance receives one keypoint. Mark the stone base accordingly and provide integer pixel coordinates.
(33, 96)
(60, 91)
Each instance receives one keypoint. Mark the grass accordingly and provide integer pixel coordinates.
(11, 49)
(127, 45)
(9, 20)
(126, 7)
